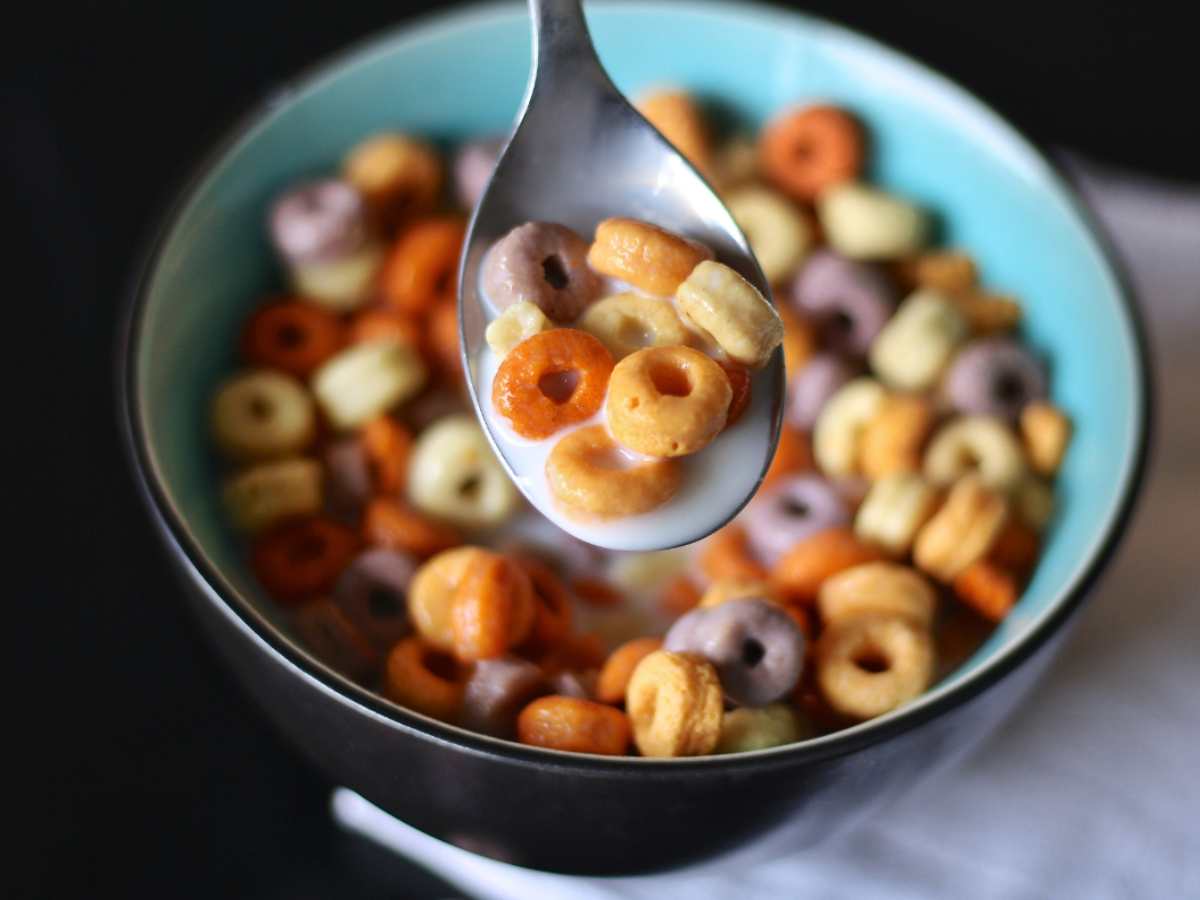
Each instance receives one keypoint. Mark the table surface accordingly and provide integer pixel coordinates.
(140, 767)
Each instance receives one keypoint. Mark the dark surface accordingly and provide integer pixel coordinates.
(139, 766)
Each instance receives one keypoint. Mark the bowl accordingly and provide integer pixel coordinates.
(461, 75)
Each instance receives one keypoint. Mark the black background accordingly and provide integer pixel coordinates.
(139, 768)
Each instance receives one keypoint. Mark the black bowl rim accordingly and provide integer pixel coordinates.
(269, 639)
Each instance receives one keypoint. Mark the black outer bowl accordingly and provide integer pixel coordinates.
(586, 815)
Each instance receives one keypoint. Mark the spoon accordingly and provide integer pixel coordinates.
(581, 153)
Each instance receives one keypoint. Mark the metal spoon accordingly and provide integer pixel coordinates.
(581, 153)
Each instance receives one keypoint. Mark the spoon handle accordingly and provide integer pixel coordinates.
(564, 59)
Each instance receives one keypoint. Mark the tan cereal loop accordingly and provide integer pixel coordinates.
(675, 705)
(870, 665)
(893, 439)
(431, 594)
(626, 323)
(962, 531)
(676, 115)
(397, 175)
(731, 309)
(590, 476)
(646, 256)
(877, 587)
(1046, 431)
(893, 511)
(982, 444)
(667, 401)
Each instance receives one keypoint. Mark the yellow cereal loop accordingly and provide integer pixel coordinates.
(518, 322)
(731, 309)
(261, 415)
(271, 492)
(840, 425)
(870, 665)
(626, 323)
(918, 341)
(893, 511)
(366, 380)
(983, 444)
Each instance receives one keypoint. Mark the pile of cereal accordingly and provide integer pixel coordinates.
(899, 520)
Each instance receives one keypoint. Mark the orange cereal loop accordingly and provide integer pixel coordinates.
(335, 640)
(675, 705)
(388, 523)
(676, 115)
(292, 336)
(799, 340)
(552, 606)
(442, 340)
(433, 590)
(799, 574)
(387, 445)
(739, 384)
(618, 668)
(422, 267)
(591, 477)
(596, 592)
(807, 150)
(420, 677)
(644, 255)
(384, 324)
(574, 725)
(679, 595)
(726, 555)
(551, 380)
(952, 271)
(893, 439)
(988, 589)
(1016, 547)
(793, 454)
(302, 558)
(575, 652)
(492, 608)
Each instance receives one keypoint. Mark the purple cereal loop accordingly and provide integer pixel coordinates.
(545, 264)
(850, 301)
(994, 377)
(496, 692)
(473, 166)
(789, 511)
(811, 388)
(373, 593)
(319, 221)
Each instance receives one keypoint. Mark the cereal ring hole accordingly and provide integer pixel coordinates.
(261, 408)
(797, 508)
(752, 652)
(289, 336)
(872, 660)
(841, 323)
(559, 387)
(669, 380)
(634, 333)
(384, 603)
(443, 665)
(555, 272)
(1008, 388)
(307, 548)
(469, 487)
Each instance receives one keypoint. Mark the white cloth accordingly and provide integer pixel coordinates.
(1092, 790)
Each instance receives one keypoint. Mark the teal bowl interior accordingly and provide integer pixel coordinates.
(463, 75)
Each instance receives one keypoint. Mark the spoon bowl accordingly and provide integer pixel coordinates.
(581, 153)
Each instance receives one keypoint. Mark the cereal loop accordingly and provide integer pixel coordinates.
(431, 593)
(384, 324)
(1046, 431)
(441, 340)
(589, 475)
(552, 605)
(325, 629)
(646, 256)
(299, 559)
(422, 268)
(739, 384)
(492, 608)
(962, 531)
(798, 576)
(878, 587)
(388, 523)
(675, 705)
(804, 151)
(618, 668)
(730, 309)
(626, 323)
(667, 401)
(892, 440)
(420, 677)
(679, 595)
(793, 454)
(397, 175)
(575, 725)
(387, 445)
(676, 115)
(292, 336)
(870, 665)
(551, 380)
(987, 588)
(726, 556)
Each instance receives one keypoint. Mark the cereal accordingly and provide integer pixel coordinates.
(626, 323)
(894, 510)
(747, 729)
(372, 592)
(424, 679)
(676, 115)
(987, 313)
(1016, 547)
(799, 341)
(333, 638)
(674, 705)
(731, 309)
(812, 386)
(520, 321)
(301, 558)
(421, 270)
(667, 401)
(442, 345)
(646, 256)
(1034, 501)
(994, 377)
(734, 589)
(618, 668)
(870, 665)
(270, 492)
(552, 606)
(496, 692)
(1046, 432)
(292, 336)
(678, 596)
(987, 588)
(589, 475)
(341, 284)
(798, 576)
(492, 609)
(951, 271)
(431, 594)
(399, 176)
(805, 151)
(849, 301)
(792, 455)
(756, 647)
(877, 588)
(380, 324)
(779, 235)
(387, 523)
(962, 531)
(319, 221)
(739, 386)
(388, 447)
(597, 592)
(544, 264)
(980, 444)
(551, 380)
(863, 222)
(892, 440)
(453, 475)
(347, 478)
(918, 342)
(735, 163)
(837, 434)
(262, 415)
(789, 511)
(575, 725)
(473, 167)
(726, 555)
(366, 380)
